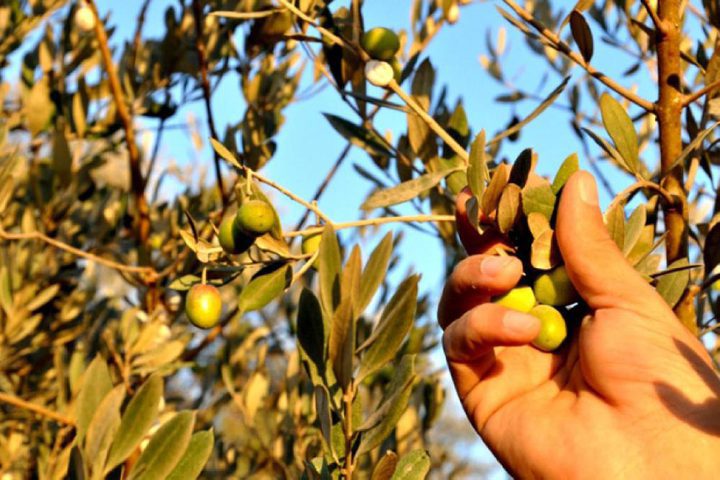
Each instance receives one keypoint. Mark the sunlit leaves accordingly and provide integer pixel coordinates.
(622, 131)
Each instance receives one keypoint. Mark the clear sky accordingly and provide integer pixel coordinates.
(308, 146)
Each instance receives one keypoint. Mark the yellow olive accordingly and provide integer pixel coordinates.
(521, 299)
(310, 245)
(255, 218)
(552, 329)
(397, 69)
(203, 306)
(555, 288)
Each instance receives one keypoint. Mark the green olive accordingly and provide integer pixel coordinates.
(203, 306)
(552, 329)
(231, 238)
(255, 218)
(380, 43)
(521, 299)
(555, 288)
(397, 69)
(310, 245)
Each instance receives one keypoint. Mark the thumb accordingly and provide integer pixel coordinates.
(595, 265)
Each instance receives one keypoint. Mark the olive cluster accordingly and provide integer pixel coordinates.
(254, 218)
(550, 291)
(382, 45)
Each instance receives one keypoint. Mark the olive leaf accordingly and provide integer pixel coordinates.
(581, 34)
(620, 127)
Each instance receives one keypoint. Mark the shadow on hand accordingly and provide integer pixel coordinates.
(704, 416)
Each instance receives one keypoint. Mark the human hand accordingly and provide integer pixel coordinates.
(631, 395)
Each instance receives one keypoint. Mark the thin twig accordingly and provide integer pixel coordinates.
(427, 118)
(565, 49)
(205, 84)
(39, 409)
(148, 271)
(703, 91)
(653, 15)
(373, 222)
(639, 185)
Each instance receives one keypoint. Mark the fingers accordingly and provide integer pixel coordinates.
(595, 265)
(474, 281)
(469, 342)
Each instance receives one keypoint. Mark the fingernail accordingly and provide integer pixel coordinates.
(588, 190)
(492, 266)
(519, 323)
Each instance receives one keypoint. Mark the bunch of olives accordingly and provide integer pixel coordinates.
(549, 291)
(254, 218)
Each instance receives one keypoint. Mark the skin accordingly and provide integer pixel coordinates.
(631, 395)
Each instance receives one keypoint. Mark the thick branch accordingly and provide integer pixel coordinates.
(137, 183)
(205, 85)
(565, 49)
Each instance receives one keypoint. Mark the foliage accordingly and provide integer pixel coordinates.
(320, 366)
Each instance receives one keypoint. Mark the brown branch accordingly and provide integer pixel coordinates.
(703, 91)
(149, 272)
(39, 409)
(205, 85)
(137, 183)
(562, 47)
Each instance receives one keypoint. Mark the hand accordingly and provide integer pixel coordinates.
(632, 395)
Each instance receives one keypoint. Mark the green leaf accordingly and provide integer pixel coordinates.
(225, 153)
(491, 197)
(615, 223)
(165, 449)
(672, 285)
(413, 466)
(341, 345)
(385, 467)
(711, 250)
(102, 429)
(477, 171)
(521, 168)
(139, 415)
(539, 198)
(544, 253)
(549, 100)
(322, 405)
(633, 229)
(38, 109)
(622, 131)
(420, 136)
(359, 136)
(569, 166)
(350, 280)
(330, 263)
(96, 385)
(266, 285)
(407, 190)
(611, 151)
(195, 457)
(581, 34)
(394, 324)
(509, 207)
(312, 330)
(374, 272)
(61, 157)
(383, 420)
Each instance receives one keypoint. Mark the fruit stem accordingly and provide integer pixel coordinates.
(204, 276)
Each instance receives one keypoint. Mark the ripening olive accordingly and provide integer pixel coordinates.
(84, 19)
(552, 328)
(521, 299)
(231, 238)
(397, 69)
(555, 288)
(310, 245)
(203, 305)
(380, 43)
(255, 218)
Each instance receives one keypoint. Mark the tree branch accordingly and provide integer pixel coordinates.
(205, 85)
(39, 409)
(689, 99)
(374, 221)
(565, 49)
(653, 15)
